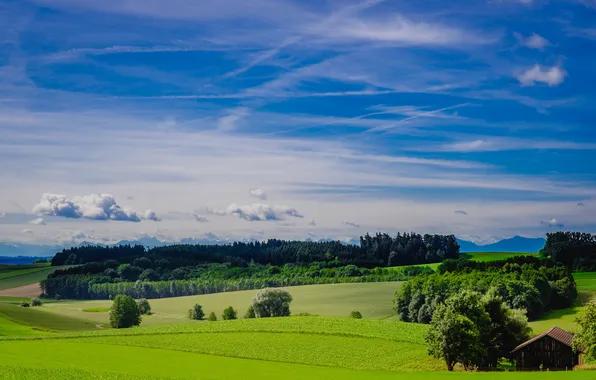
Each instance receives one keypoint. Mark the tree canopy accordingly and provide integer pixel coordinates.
(124, 312)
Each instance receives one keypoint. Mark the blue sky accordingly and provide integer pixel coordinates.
(295, 119)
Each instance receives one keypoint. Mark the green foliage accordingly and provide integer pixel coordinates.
(356, 314)
(475, 331)
(212, 317)
(272, 303)
(250, 313)
(144, 306)
(125, 312)
(530, 286)
(575, 250)
(585, 338)
(25, 304)
(196, 313)
(453, 338)
(229, 313)
(97, 309)
(36, 301)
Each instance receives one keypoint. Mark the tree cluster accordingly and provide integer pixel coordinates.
(475, 331)
(215, 278)
(575, 250)
(531, 287)
(374, 251)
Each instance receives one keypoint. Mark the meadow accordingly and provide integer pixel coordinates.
(13, 276)
(292, 348)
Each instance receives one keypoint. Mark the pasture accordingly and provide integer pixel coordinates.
(289, 348)
(373, 300)
(494, 256)
(14, 276)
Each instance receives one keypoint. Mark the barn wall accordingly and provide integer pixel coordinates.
(549, 353)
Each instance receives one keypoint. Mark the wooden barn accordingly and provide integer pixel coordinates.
(548, 351)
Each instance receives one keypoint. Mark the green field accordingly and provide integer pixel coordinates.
(13, 276)
(494, 256)
(275, 348)
(373, 300)
(35, 318)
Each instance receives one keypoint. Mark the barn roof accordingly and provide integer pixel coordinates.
(556, 333)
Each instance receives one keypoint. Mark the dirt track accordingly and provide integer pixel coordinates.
(32, 290)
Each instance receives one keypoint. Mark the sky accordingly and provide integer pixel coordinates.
(295, 119)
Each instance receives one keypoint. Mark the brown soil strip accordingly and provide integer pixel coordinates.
(27, 291)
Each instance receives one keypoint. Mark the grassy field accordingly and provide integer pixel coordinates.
(275, 348)
(586, 286)
(373, 300)
(35, 318)
(13, 276)
(494, 256)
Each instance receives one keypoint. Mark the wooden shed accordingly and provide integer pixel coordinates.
(551, 350)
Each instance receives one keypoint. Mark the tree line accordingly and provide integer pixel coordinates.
(215, 278)
(530, 287)
(575, 250)
(374, 251)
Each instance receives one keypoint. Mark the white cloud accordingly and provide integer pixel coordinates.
(553, 76)
(353, 224)
(460, 212)
(312, 223)
(401, 30)
(552, 223)
(262, 212)
(580, 204)
(258, 193)
(2, 214)
(27, 232)
(490, 144)
(151, 215)
(92, 206)
(38, 222)
(534, 41)
(234, 116)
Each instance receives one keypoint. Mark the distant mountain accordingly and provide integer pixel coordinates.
(514, 244)
(31, 250)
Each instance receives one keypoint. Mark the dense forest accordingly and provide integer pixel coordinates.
(527, 283)
(178, 270)
(374, 251)
(575, 250)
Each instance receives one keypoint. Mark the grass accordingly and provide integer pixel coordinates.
(276, 348)
(38, 318)
(13, 276)
(97, 310)
(494, 256)
(373, 300)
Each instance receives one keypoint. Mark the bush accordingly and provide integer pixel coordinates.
(212, 317)
(125, 312)
(25, 304)
(57, 297)
(356, 314)
(196, 313)
(36, 302)
(144, 306)
(250, 313)
(272, 303)
(229, 313)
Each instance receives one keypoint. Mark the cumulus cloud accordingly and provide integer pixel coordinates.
(261, 212)
(460, 212)
(534, 41)
(92, 206)
(552, 76)
(38, 222)
(258, 193)
(353, 224)
(151, 215)
(552, 223)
